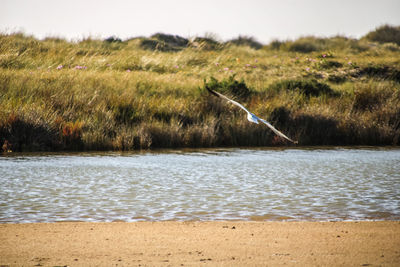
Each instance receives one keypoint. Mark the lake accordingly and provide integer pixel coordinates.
(294, 184)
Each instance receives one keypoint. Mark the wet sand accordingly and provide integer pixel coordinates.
(201, 243)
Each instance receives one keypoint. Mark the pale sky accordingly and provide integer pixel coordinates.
(265, 20)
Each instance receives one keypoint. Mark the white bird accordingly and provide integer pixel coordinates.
(250, 116)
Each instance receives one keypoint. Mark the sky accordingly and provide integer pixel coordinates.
(224, 19)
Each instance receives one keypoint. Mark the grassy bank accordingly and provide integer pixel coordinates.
(149, 92)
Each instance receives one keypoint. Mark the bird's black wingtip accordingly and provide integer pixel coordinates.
(211, 91)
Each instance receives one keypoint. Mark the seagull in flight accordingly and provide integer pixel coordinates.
(250, 116)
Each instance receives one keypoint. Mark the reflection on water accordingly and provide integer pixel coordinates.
(245, 184)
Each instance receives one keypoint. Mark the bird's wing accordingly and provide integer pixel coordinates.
(227, 99)
(276, 131)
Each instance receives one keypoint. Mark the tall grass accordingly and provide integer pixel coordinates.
(123, 95)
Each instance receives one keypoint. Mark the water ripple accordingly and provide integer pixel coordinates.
(229, 184)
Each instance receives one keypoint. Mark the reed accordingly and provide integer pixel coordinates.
(121, 95)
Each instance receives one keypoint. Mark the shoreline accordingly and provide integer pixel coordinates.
(244, 220)
(188, 243)
(183, 149)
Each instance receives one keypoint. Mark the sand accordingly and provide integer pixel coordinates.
(201, 243)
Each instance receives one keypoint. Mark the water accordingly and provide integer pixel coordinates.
(228, 184)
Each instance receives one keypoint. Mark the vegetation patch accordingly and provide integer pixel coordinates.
(20, 134)
(337, 78)
(306, 87)
(113, 94)
(385, 34)
(329, 64)
(380, 72)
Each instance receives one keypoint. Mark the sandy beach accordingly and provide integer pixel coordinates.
(228, 243)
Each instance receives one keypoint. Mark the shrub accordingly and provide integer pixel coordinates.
(276, 45)
(246, 41)
(229, 86)
(385, 34)
(306, 87)
(172, 40)
(112, 39)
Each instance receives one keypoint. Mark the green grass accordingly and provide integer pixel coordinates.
(145, 93)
